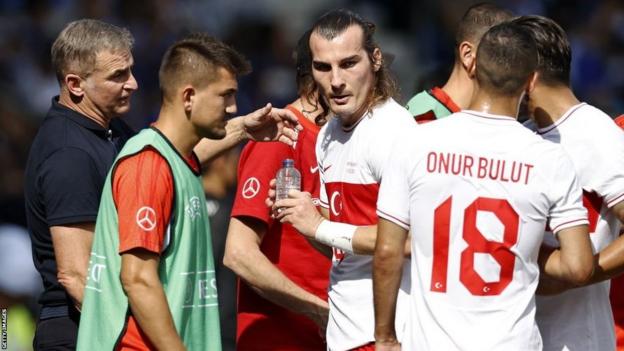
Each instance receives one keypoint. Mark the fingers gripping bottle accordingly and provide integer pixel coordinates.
(288, 177)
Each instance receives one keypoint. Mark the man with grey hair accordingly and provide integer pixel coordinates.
(67, 165)
(72, 154)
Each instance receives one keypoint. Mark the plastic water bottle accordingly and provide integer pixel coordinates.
(288, 178)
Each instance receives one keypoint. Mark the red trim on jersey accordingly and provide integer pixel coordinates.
(569, 224)
(352, 203)
(444, 99)
(392, 218)
(560, 120)
(490, 116)
(615, 201)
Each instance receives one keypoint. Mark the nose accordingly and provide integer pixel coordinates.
(230, 106)
(131, 84)
(337, 82)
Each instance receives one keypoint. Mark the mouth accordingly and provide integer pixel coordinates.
(340, 99)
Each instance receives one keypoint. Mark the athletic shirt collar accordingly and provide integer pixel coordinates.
(563, 118)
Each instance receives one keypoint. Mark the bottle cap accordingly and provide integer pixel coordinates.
(289, 162)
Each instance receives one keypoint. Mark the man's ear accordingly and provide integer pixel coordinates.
(467, 54)
(188, 97)
(472, 69)
(532, 82)
(74, 85)
(377, 59)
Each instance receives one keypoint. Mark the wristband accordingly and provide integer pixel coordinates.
(335, 234)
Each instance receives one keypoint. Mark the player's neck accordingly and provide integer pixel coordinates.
(459, 87)
(177, 129)
(551, 103)
(495, 104)
(82, 106)
(307, 108)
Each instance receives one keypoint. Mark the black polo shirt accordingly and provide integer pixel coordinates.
(67, 165)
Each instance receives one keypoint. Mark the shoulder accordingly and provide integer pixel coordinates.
(258, 152)
(148, 159)
(390, 114)
(599, 120)
(421, 103)
(145, 165)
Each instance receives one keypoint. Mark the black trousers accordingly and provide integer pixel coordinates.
(58, 333)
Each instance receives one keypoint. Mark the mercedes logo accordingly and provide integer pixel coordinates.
(251, 188)
(146, 218)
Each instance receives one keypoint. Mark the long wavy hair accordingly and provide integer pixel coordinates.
(333, 23)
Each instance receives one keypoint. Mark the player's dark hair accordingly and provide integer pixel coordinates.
(477, 20)
(506, 58)
(335, 22)
(553, 48)
(306, 86)
(194, 60)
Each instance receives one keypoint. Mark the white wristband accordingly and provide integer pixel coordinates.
(335, 234)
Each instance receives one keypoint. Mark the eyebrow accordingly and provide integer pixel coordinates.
(350, 58)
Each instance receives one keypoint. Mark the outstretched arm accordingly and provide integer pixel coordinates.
(264, 124)
(243, 256)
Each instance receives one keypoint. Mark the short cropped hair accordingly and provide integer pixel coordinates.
(195, 59)
(553, 48)
(506, 58)
(76, 47)
(335, 22)
(477, 20)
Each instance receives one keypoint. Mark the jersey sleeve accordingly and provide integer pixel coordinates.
(143, 195)
(565, 194)
(605, 175)
(381, 150)
(393, 199)
(258, 164)
(71, 186)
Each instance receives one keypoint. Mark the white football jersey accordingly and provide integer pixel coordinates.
(351, 164)
(581, 319)
(476, 191)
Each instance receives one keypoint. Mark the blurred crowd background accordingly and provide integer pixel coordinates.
(418, 37)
